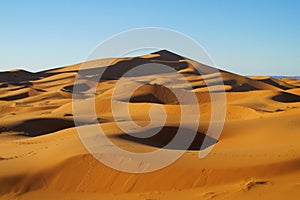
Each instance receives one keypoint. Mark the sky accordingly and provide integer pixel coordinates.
(248, 37)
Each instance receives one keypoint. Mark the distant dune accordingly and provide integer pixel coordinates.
(42, 157)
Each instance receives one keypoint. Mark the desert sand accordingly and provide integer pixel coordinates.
(42, 157)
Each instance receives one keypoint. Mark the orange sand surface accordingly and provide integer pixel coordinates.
(42, 157)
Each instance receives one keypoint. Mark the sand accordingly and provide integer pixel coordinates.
(42, 157)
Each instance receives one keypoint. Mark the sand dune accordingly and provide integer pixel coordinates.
(42, 157)
(272, 81)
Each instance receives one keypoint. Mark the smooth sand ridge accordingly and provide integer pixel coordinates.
(42, 157)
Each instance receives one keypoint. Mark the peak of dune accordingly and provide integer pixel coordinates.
(19, 71)
(168, 55)
(16, 71)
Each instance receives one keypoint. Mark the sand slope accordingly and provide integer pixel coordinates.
(42, 157)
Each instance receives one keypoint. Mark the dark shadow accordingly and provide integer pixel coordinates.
(42, 126)
(231, 82)
(243, 88)
(15, 97)
(159, 94)
(3, 129)
(21, 77)
(147, 98)
(36, 127)
(68, 115)
(79, 88)
(19, 88)
(164, 137)
(273, 83)
(21, 83)
(285, 97)
(4, 85)
(167, 55)
(40, 90)
(117, 70)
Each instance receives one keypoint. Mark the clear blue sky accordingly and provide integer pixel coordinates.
(242, 36)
